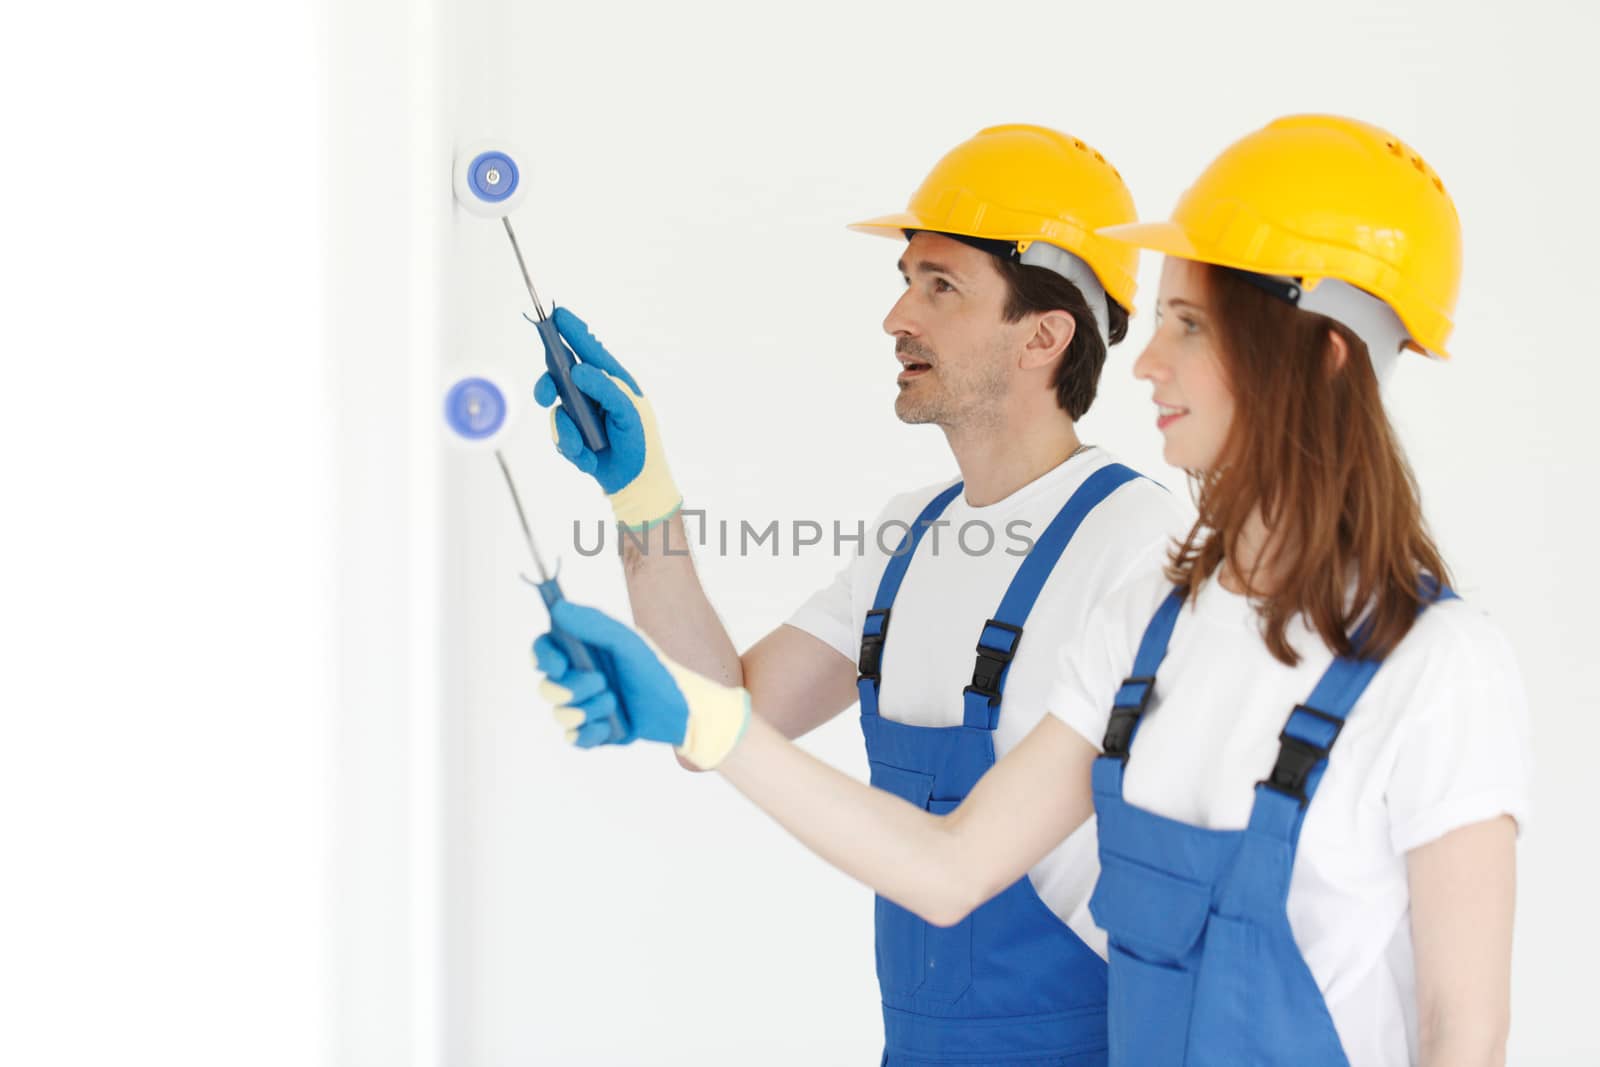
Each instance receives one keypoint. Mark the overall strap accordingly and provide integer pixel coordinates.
(876, 627)
(1133, 696)
(1001, 635)
(1309, 734)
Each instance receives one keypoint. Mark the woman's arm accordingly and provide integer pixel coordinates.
(1463, 893)
(939, 867)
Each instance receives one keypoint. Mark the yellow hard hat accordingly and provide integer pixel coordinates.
(1319, 197)
(1025, 184)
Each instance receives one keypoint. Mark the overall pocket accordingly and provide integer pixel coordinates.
(1147, 1007)
(916, 958)
(1155, 921)
(946, 950)
(899, 934)
(1233, 996)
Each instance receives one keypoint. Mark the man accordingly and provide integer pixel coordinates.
(1010, 305)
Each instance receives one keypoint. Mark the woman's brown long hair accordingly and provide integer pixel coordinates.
(1311, 447)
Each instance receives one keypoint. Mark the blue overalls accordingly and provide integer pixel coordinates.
(1011, 983)
(1205, 971)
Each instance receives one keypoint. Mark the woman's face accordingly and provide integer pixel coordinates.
(1194, 404)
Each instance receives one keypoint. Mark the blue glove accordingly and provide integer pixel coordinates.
(653, 697)
(633, 469)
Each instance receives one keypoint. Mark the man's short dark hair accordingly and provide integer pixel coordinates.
(1032, 289)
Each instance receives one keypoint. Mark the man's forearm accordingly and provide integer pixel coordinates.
(670, 605)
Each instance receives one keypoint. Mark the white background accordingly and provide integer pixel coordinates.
(274, 786)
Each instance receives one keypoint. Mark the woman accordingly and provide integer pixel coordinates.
(1314, 756)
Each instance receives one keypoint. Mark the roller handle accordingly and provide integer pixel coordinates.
(581, 656)
(560, 360)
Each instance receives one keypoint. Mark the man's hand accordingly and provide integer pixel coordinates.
(632, 470)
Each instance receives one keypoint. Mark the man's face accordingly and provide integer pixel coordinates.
(955, 349)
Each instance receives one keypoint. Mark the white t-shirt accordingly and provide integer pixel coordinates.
(1439, 740)
(952, 587)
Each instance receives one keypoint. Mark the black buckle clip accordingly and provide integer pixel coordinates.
(1119, 731)
(871, 660)
(992, 661)
(1298, 758)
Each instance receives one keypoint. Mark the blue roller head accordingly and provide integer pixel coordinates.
(475, 408)
(493, 177)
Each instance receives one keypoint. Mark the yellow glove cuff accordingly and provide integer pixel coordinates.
(718, 714)
(716, 724)
(640, 505)
(652, 496)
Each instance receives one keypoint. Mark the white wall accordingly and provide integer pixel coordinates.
(693, 166)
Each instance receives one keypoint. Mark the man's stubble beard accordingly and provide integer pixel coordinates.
(973, 401)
